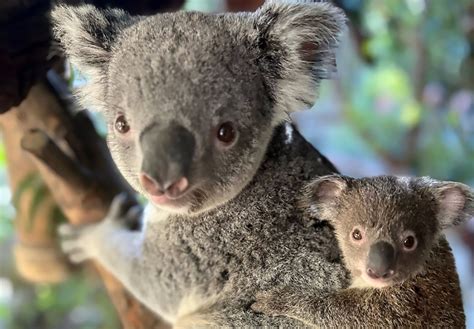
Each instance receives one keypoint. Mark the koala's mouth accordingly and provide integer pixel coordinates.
(172, 194)
(187, 201)
(161, 199)
(369, 280)
(378, 283)
(169, 200)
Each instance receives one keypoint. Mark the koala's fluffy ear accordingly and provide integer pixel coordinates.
(455, 203)
(297, 41)
(88, 34)
(321, 195)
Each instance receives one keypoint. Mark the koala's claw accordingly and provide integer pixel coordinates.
(119, 206)
(74, 251)
(83, 242)
(134, 212)
(67, 230)
(71, 243)
(124, 210)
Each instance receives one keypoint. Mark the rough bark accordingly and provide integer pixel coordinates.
(37, 255)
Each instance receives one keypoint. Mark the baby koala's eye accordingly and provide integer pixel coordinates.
(121, 124)
(409, 243)
(226, 133)
(356, 234)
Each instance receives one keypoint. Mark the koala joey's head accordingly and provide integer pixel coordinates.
(192, 99)
(387, 226)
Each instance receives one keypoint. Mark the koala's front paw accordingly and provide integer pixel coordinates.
(84, 242)
(125, 211)
(274, 302)
(74, 241)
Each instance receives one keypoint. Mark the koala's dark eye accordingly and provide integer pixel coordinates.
(357, 234)
(226, 133)
(409, 243)
(121, 124)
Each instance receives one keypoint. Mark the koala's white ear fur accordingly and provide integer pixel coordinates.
(455, 203)
(87, 35)
(297, 41)
(322, 194)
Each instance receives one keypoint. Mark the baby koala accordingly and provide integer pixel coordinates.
(389, 231)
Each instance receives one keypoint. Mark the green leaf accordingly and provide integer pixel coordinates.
(46, 297)
(38, 197)
(453, 118)
(410, 114)
(72, 76)
(30, 181)
(34, 183)
(57, 217)
(2, 154)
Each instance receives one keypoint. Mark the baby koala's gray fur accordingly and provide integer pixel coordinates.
(383, 211)
(237, 229)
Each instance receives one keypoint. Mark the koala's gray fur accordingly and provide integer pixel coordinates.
(202, 257)
(384, 210)
(206, 269)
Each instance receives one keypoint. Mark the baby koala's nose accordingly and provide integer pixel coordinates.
(385, 274)
(172, 189)
(381, 260)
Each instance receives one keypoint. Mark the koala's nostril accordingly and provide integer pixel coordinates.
(388, 274)
(377, 275)
(371, 273)
(177, 188)
(150, 185)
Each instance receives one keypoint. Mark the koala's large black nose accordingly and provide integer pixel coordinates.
(381, 260)
(167, 157)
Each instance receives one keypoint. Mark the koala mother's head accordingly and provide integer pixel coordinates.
(192, 99)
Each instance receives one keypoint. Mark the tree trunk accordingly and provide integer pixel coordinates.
(37, 256)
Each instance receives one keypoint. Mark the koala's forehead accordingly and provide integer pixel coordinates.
(387, 206)
(174, 56)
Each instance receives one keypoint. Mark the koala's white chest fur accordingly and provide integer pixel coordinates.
(360, 283)
(154, 214)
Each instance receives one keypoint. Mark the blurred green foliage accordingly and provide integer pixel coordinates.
(400, 93)
(78, 303)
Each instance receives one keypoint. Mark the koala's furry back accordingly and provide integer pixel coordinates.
(256, 241)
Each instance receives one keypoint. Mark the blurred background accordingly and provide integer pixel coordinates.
(402, 102)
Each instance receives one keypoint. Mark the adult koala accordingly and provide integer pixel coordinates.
(196, 105)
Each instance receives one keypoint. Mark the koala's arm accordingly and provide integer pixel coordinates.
(114, 245)
(430, 299)
(348, 308)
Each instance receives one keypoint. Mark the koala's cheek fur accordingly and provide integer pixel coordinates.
(234, 168)
(412, 263)
(355, 258)
(127, 156)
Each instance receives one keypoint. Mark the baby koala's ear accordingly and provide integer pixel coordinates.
(455, 201)
(321, 195)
